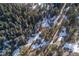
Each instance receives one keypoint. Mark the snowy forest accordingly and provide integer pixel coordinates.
(39, 29)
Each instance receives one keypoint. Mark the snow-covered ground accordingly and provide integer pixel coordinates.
(39, 39)
(40, 42)
(16, 52)
(34, 6)
(48, 22)
(63, 32)
(72, 47)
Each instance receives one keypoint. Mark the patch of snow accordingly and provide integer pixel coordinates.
(67, 9)
(43, 44)
(69, 46)
(55, 21)
(33, 7)
(73, 47)
(42, 40)
(6, 43)
(45, 23)
(39, 3)
(53, 18)
(37, 35)
(51, 43)
(48, 7)
(63, 32)
(42, 6)
(65, 17)
(27, 45)
(34, 38)
(77, 17)
(35, 46)
(76, 48)
(16, 52)
(31, 39)
(2, 52)
(60, 38)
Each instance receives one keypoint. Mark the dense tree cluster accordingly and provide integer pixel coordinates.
(20, 21)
